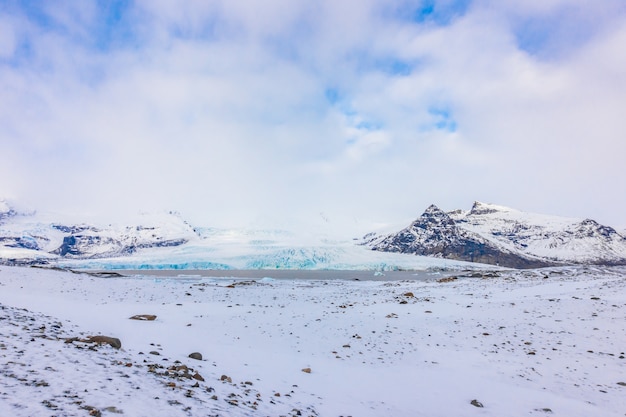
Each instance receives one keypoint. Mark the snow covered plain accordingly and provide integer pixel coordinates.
(546, 342)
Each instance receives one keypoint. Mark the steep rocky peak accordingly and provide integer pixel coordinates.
(433, 216)
(432, 210)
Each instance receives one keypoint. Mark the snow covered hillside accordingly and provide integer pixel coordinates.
(553, 238)
(503, 236)
(32, 237)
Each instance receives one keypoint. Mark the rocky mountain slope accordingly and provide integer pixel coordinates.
(27, 238)
(503, 236)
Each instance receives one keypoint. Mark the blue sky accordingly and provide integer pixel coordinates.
(241, 113)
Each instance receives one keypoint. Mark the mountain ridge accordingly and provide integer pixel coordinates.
(487, 234)
(503, 236)
(167, 241)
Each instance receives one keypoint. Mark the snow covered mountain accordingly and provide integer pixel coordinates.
(486, 234)
(29, 238)
(166, 241)
(503, 236)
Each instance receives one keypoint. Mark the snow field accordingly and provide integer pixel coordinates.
(544, 342)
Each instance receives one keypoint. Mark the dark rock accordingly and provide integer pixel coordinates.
(74, 229)
(196, 355)
(104, 340)
(477, 403)
(144, 317)
(103, 274)
(25, 242)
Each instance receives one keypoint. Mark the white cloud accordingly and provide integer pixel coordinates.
(221, 110)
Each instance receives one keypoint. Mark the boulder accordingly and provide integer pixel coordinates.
(477, 403)
(144, 317)
(104, 340)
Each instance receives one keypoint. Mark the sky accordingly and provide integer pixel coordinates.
(292, 114)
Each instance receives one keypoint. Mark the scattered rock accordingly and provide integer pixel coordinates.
(196, 355)
(408, 294)
(306, 370)
(623, 384)
(93, 411)
(226, 378)
(144, 317)
(477, 403)
(104, 340)
(198, 377)
(154, 352)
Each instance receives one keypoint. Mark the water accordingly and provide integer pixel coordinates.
(292, 274)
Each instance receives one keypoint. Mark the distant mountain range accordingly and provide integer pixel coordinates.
(506, 237)
(486, 234)
(167, 241)
(31, 238)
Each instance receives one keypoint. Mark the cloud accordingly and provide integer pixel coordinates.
(240, 112)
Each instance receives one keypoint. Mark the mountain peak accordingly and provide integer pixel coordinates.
(433, 216)
(480, 208)
(433, 210)
(500, 235)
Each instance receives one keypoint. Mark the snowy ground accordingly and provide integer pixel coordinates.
(545, 343)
